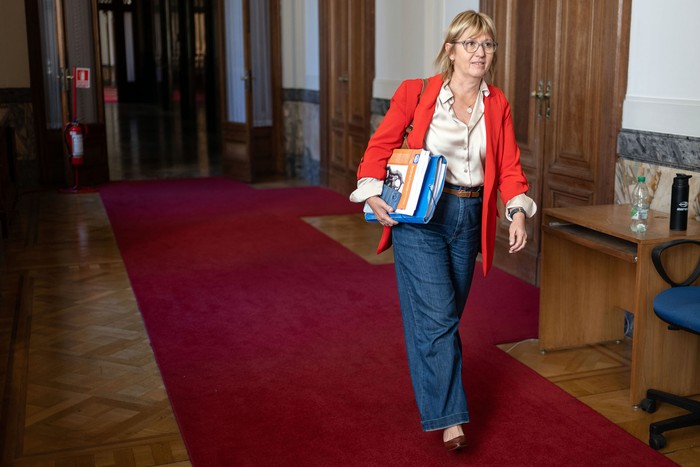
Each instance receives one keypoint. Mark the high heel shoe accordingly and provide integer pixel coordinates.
(456, 443)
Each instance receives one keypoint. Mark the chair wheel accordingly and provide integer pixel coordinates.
(657, 441)
(648, 405)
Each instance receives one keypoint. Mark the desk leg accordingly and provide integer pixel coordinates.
(582, 295)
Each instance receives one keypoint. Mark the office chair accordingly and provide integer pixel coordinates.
(678, 306)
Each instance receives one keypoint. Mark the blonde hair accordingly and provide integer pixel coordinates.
(475, 24)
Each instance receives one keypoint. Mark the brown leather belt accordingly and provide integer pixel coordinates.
(462, 193)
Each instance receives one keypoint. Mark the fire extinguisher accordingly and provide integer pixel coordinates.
(74, 134)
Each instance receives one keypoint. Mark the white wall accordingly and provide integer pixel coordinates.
(421, 26)
(300, 69)
(663, 83)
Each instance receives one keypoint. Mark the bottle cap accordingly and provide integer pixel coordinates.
(641, 178)
(681, 179)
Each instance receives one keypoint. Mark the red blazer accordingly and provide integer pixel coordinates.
(502, 169)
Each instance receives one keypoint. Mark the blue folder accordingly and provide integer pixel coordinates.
(429, 194)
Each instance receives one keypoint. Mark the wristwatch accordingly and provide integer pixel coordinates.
(511, 212)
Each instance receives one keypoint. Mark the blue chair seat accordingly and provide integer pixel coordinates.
(679, 306)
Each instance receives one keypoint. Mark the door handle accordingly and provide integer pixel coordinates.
(539, 95)
(246, 80)
(343, 78)
(547, 96)
(64, 78)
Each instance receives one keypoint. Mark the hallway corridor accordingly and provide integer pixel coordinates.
(79, 383)
(145, 142)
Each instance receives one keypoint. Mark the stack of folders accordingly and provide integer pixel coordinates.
(413, 185)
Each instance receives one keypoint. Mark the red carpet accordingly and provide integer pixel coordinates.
(280, 347)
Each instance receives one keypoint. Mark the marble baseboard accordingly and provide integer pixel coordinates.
(302, 140)
(677, 151)
(303, 167)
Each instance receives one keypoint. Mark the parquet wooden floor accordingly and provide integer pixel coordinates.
(79, 383)
(81, 386)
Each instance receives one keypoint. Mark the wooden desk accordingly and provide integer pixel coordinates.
(593, 269)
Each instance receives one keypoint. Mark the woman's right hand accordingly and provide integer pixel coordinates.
(381, 210)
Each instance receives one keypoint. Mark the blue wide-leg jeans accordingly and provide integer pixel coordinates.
(434, 268)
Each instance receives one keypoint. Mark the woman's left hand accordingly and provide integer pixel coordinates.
(518, 234)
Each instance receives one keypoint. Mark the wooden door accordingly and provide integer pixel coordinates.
(250, 71)
(347, 74)
(588, 76)
(563, 66)
(63, 35)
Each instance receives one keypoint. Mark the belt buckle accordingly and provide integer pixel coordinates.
(465, 192)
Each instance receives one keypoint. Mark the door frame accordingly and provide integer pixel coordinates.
(53, 166)
(275, 166)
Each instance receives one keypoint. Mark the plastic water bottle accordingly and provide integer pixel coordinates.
(640, 206)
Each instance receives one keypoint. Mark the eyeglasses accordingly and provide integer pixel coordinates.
(472, 46)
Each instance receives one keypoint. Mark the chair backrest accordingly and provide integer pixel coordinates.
(656, 259)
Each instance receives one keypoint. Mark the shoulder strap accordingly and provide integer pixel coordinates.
(410, 127)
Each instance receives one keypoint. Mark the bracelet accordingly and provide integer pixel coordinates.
(511, 212)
